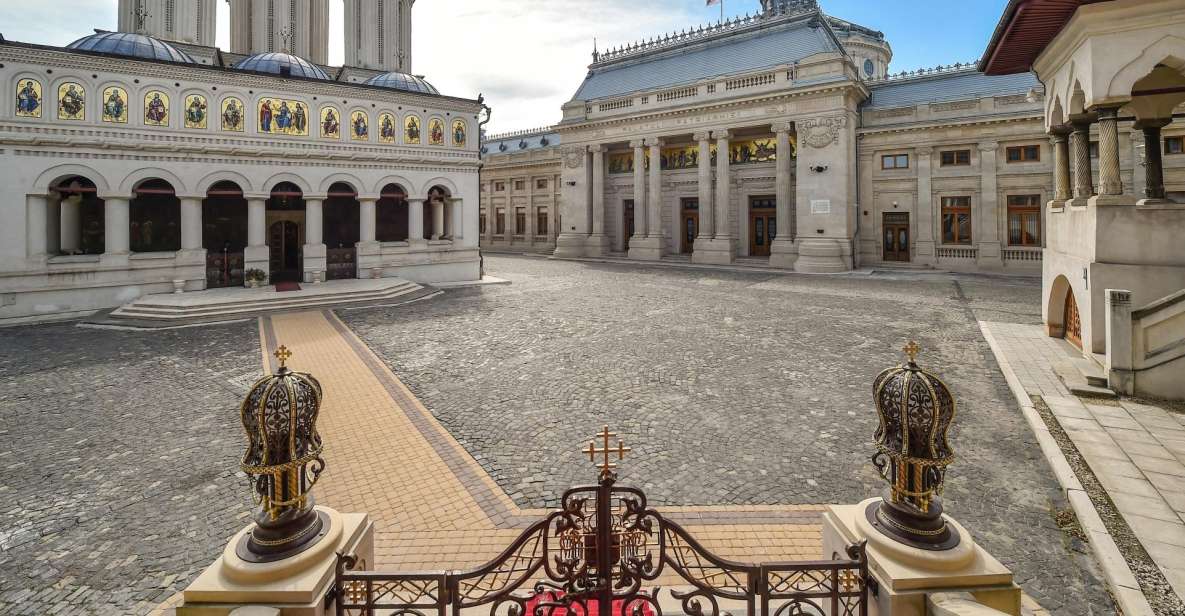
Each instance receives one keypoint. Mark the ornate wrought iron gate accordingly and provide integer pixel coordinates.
(595, 556)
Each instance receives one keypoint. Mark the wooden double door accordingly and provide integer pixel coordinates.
(689, 224)
(763, 225)
(895, 229)
(286, 249)
(627, 222)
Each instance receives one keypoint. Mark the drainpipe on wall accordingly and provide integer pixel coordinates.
(481, 139)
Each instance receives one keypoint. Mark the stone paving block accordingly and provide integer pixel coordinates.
(1151, 531)
(1152, 507)
(1148, 448)
(1158, 465)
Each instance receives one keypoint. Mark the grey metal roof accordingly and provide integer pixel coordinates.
(948, 87)
(509, 144)
(277, 63)
(130, 45)
(765, 48)
(402, 81)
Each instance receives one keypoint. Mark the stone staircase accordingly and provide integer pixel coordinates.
(1084, 376)
(222, 305)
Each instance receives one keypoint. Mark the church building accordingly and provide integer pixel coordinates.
(148, 160)
(782, 139)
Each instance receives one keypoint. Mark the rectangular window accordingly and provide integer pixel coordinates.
(956, 158)
(895, 161)
(481, 223)
(956, 220)
(1024, 220)
(520, 220)
(1024, 154)
(520, 184)
(500, 222)
(541, 184)
(499, 186)
(1174, 145)
(541, 222)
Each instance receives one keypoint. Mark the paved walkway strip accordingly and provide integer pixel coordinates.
(433, 505)
(1135, 450)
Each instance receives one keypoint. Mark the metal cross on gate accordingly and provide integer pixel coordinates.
(606, 465)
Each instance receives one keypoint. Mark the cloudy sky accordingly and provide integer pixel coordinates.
(529, 56)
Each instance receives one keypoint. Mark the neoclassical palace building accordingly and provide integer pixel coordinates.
(832, 163)
(148, 160)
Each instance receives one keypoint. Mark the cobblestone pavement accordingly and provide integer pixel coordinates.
(119, 454)
(733, 388)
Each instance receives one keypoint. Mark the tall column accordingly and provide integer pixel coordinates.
(437, 218)
(53, 223)
(646, 244)
(1153, 159)
(707, 218)
(367, 219)
(985, 227)
(723, 187)
(116, 230)
(782, 251)
(191, 223)
(456, 231)
(598, 242)
(641, 225)
(718, 249)
(415, 221)
(1110, 182)
(36, 227)
(314, 252)
(1080, 152)
(70, 224)
(1061, 165)
(925, 206)
(489, 235)
(654, 192)
(257, 255)
(368, 252)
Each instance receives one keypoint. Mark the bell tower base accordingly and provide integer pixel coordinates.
(905, 575)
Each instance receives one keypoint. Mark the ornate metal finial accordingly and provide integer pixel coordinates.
(606, 450)
(286, 39)
(911, 350)
(141, 14)
(283, 354)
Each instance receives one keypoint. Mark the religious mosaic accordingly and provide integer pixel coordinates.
(411, 129)
(386, 128)
(28, 98)
(195, 111)
(156, 108)
(233, 114)
(283, 117)
(459, 133)
(331, 122)
(753, 151)
(115, 105)
(71, 102)
(684, 157)
(435, 131)
(621, 162)
(359, 126)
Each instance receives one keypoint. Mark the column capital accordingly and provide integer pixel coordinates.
(367, 198)
(654, 142)
(1156, 123)
(1109, 112)
(1058, 137)
(783, 127)
(989, 146)
(308, 198)
(924, 150)
(1081, 124)
(637, 143)
(419, 200)
(722, 133)
(704, 135)
(596, 148)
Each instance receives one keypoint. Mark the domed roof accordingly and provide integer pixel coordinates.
(131, 45)
(277, 63)
(402, 81)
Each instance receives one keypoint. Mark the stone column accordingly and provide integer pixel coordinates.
(707, 225)
(1110, 182)
(456, 231)
(314, 252)
(654, 192)
(641, 224)
(36, 226)
(783, 253)
(415, 222)
(985, 230)
(368, 252)
(368, 220)
(924, 224)
(70, 225)
(646, 244)
(1080, 153)
(191, 223)
(1119, 358)
(598, 242)
(257, 256)
(116, 230)
(1061, 166)
(437, 219)
(723, 236)
(1153, 159)
(53, 223)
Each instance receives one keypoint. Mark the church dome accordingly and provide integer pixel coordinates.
(131, 45)
(283, 64)
(402, 81)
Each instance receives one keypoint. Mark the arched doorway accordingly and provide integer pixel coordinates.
(341, 232)
(437, 216)
(285, 232)
(155, 218)
(392, 214)
(82, 225)
(224, 234)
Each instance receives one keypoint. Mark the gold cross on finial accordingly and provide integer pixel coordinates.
(606, 465)
(912, 349)
(283, 354)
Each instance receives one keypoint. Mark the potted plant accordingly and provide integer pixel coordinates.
(255, 278)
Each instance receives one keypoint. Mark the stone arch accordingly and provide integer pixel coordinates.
(202, 186)
(1169, 51)
(1057, 113)
(139, 176)
(271, 182)
(393, 179)
(54, 175)
(358, 185)
(441, 181)
(1077, 100)
(1055, 306)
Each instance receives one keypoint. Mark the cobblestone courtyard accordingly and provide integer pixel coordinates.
(741, 389)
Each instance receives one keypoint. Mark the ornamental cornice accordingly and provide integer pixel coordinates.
(379, 165)
(943, 124)
(133, 68)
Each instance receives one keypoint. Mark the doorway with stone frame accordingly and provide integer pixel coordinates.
(895, 237)
(688, 224)
(285, 222)
(763, 224)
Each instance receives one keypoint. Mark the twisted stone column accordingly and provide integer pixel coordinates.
(1080, 151)
(1110, 182)
(1061, 165)
(1153, 159)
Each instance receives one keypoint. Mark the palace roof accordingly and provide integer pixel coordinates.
(941, 86)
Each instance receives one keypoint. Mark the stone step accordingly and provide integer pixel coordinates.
(137, 312)
(1072, 377)
(148, 306)
(1091, 371)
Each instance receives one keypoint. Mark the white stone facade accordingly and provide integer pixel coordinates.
(378, 34)
(187, 21)
(298, 27)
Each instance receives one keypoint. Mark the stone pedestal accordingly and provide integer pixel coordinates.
(905, 575)
(295, 586)
(820, 256)
(257, 257)
(716, 251)
(315, 261)
(369, 256)
(644, 248)
(570, 245)
(783, 252)
(597, 245)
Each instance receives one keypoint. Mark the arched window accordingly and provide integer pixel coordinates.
(155, 218)
(82, 223)
(392, 214)
(224, 234)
